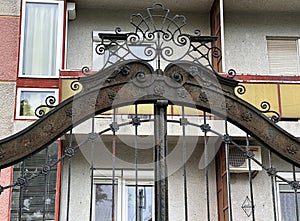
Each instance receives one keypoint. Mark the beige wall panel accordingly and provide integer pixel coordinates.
(290, 100)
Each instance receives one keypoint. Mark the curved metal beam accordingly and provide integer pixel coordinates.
(126, 83)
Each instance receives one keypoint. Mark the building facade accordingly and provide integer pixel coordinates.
(46, 44)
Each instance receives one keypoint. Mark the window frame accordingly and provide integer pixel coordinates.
(18, 100)
(60, 9)
(57, 179)
(288, 176)
(123, 178)
(284, 38)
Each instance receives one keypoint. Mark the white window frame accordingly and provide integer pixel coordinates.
(18, 101)
(59, 37)
(298, 53)
(288, 176)
(123, 178)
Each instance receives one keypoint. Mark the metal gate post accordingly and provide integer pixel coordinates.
(161, 172)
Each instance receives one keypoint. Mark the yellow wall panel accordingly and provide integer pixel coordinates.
(66, 90)
(257, 93)
(290, 100)
(148, 109)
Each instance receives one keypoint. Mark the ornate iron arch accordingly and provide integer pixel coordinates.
(125, 83)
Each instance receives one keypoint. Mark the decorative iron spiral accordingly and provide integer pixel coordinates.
(40, 111)
(75, 85)
(85, 70)
(240, 89)
(231, 73)
(266, 109)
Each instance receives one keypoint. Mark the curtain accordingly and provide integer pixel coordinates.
(287, 203)
(40, 39)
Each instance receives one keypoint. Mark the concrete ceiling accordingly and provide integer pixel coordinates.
(262, 5)
(173, 5)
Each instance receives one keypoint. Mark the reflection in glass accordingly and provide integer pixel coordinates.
(144, 203)
(104, 202)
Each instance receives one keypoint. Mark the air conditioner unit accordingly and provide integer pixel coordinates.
(238, 161)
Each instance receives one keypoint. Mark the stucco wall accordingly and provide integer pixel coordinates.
(245, 38)
(80, 188)
(262, 189)
(88, 20)
(7, 92)
(10, 7)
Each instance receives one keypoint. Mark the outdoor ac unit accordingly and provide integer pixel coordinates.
(238, 161)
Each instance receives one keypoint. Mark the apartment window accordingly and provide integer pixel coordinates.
(286, 198)
(41, 38)
(283, 55)
(125, 196)
(28, 99)
(36, 200)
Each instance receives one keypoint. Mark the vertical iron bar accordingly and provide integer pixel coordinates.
(46, 185)
(140, 197)
(113, 167)
(273, 186)
(184, 165)
(161, 179)
(295, 193)
(250, 181)
(206, 170)
(158, 54)
(69, 177)
(228, 173)
(137, 212)
(22, 167)
(92, 167)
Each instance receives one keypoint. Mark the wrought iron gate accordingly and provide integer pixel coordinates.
(113, 160)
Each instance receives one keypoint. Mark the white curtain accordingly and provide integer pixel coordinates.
(40, 39)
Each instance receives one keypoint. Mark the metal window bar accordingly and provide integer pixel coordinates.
(46, 177)
(69, 177)
(92, 141)
(136, 124)
(114, 129)
(183, 124)
(206, 169)
(228, 171)
(21, 191)
(160, 151)
(295, 187)
(271, 173)
(250, 178)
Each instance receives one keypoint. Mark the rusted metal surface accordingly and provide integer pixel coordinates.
(132, 82)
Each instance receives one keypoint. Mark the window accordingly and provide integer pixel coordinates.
(286, 198)
(125, 196)
(120, 53)
(41, 38)
(36, 200)
(283, 55)
(28, 99)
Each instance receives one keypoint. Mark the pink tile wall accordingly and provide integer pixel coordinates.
(5, 179)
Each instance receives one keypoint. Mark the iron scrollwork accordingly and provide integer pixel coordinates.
(157, 38)
(231, 73)
(41, 110)
(75, 85)
(266, 109)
